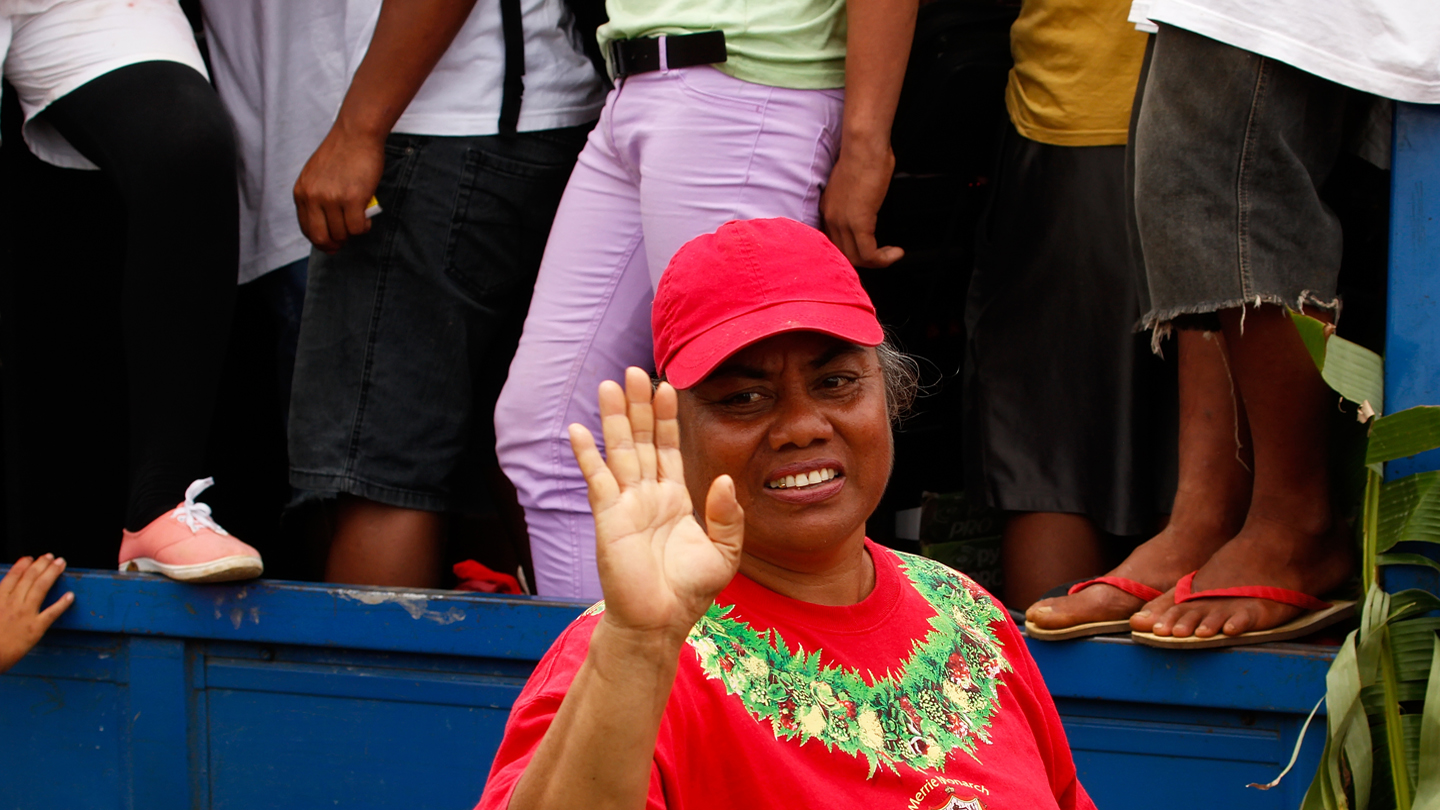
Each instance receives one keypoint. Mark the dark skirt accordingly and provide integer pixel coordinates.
(1066, 408)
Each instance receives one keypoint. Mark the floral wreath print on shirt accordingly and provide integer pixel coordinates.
(938, 700)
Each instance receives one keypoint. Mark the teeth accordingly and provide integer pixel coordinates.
(803, 479)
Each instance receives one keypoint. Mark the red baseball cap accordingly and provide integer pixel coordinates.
(749, 280)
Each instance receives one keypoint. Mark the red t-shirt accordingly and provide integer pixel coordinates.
(921, 697)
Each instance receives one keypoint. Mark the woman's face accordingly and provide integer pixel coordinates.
(797, 406)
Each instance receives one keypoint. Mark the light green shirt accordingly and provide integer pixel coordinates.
(781, 43)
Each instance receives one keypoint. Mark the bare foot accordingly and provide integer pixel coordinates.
(1266, 552)
(1158, 562)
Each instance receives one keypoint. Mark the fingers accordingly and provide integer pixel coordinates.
(36, 581)
(335, 221)
(353, 210)
(7, 585)
(667, 434)
(313, 223)
(868, 252)
(44, 579)
(329, 223)
(724, 519)
(642, 420)
(599, 483)
(874, 257)
(859, 245)
(49, 615)
(620, 452)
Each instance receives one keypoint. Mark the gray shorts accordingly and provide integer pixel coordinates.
(408, 331)
(1231, 150)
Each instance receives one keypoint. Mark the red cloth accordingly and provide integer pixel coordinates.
(476, 577)
(714, 752)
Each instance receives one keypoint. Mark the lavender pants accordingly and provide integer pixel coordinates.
(676, 153)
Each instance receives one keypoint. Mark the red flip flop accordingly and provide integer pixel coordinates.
(1139, 590)
(1322, 614)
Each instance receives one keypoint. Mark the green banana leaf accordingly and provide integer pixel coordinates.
(1380, 675)
(1406, 559)
(1402, 434)
(1348, 734)
(1409, 511)
(1427, 788)
(1412, 602)
(1382, 697)
(1314, 333)
(1355, 372)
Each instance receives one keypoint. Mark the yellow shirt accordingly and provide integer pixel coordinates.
(1076, 66)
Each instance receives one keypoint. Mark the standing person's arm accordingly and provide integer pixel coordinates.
(660, 572)
(876, 51)
(337, 182)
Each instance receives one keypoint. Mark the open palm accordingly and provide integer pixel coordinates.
(659, 569)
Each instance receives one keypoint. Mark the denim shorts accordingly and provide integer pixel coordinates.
(409, 329)
(1231, 149)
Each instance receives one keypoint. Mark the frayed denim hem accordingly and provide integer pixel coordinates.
(1160, 322)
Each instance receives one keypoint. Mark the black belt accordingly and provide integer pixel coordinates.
(631, 56)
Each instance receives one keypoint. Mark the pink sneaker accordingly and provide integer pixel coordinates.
(187, 545)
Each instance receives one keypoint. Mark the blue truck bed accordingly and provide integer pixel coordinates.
(152, 694)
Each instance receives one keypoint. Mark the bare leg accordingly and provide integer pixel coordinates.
(1290, 538)
(376, 544)
(1043, 549)
(1210, 502)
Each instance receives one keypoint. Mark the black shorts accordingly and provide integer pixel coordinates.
(1231, 149)
(408, 331)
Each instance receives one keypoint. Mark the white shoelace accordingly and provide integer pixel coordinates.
(197, 515)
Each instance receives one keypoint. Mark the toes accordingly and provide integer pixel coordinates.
(1242, 622)
(1259, 615)
(1039, 611)
(1211, 623)
(1184, 622)
(1166, 621)
(1145, 619)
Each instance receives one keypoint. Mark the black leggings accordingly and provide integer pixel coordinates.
(159, 132)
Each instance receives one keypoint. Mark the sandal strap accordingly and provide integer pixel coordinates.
(1139, 590)
(1284, 596)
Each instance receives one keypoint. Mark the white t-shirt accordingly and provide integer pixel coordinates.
(280, 68)
(1387, 47)
(462, 95)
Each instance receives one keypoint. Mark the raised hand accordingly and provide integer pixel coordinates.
(659, 569)
(22, 622)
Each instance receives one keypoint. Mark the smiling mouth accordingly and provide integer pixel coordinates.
(802, 480)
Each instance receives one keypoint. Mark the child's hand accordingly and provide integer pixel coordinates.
(22, 622)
